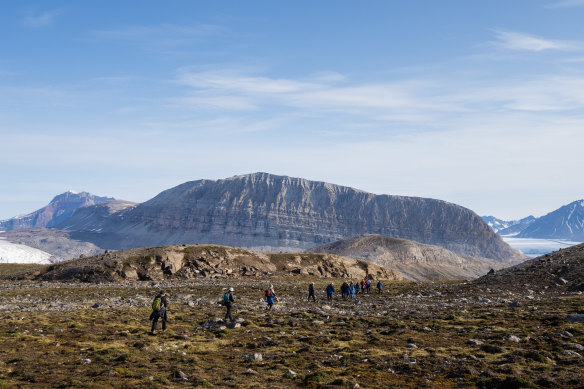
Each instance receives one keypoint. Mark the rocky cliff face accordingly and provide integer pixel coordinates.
(277, 213)
(414, 261)
(57, 211)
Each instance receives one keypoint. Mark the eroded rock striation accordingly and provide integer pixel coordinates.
(277, 213)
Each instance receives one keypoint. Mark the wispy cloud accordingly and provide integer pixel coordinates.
(168, 35)
(516, 41)
(41, 20)
(566, 4)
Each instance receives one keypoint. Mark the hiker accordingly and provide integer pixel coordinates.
(345, 289)
(363, 286)
(311, 292)
(270, 296)
(159, 305)
(379, 286)
(330, 290)
(368, 286)
(357, 288)
(228, 302)
(351, 289)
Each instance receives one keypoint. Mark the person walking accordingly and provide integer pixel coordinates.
(159, 305)
(270, 296)
(379, 287)
(330, 291)
(311, 292)
(351, 289)
(228, 302)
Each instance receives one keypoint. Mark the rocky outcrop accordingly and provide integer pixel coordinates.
(203, 261)
(57, 211)
(277, 213)
(563, 269)
(414, 261)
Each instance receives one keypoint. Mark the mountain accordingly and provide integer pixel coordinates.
(203, 261)
(565, 223)
(265, 212)
(57, 211)
(503, 227)
(415, 261)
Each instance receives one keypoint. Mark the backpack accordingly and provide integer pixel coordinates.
(269, 292)
(226, 299)
(157, 304)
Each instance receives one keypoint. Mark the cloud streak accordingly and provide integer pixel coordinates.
(516, 41)
(566, 4)
(164, 35)
(41, 20)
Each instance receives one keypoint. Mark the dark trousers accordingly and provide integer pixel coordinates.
(329, 296)
(228, 313)
(311, 295)
(154, 316)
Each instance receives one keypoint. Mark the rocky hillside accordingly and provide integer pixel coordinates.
(203, 261)
(277, 213)
(57, 211)
(414, 261)
(565, 223)
(563, 268)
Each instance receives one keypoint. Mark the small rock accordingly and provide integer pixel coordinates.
(251, 372)
(474, 342)
(560, 281)
(411, 345)
(96, 305)
(86, 361)
(513, 338)
(318, 322)
(427, 329)
(291, 373)
(565, 334)
(576, 346)
(579, 317)
(257, 357)
(514, 304)
(179, 374)
(571, 354)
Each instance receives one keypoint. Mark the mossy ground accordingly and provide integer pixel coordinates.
(326, 345)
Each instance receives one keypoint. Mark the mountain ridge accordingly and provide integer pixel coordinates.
(266, 212)
(59, 209)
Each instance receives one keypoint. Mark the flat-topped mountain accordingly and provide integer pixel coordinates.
(203, 261)
(58, 210)
(414, 261)
(277, 213)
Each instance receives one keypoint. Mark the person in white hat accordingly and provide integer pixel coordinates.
(228, 302)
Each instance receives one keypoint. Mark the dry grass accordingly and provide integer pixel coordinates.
(326, 348)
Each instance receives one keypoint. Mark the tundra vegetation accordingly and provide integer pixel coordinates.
(486, 334)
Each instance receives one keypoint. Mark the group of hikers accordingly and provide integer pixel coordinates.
(348, 289)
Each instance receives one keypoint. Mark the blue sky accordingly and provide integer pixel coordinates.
(473, 102)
